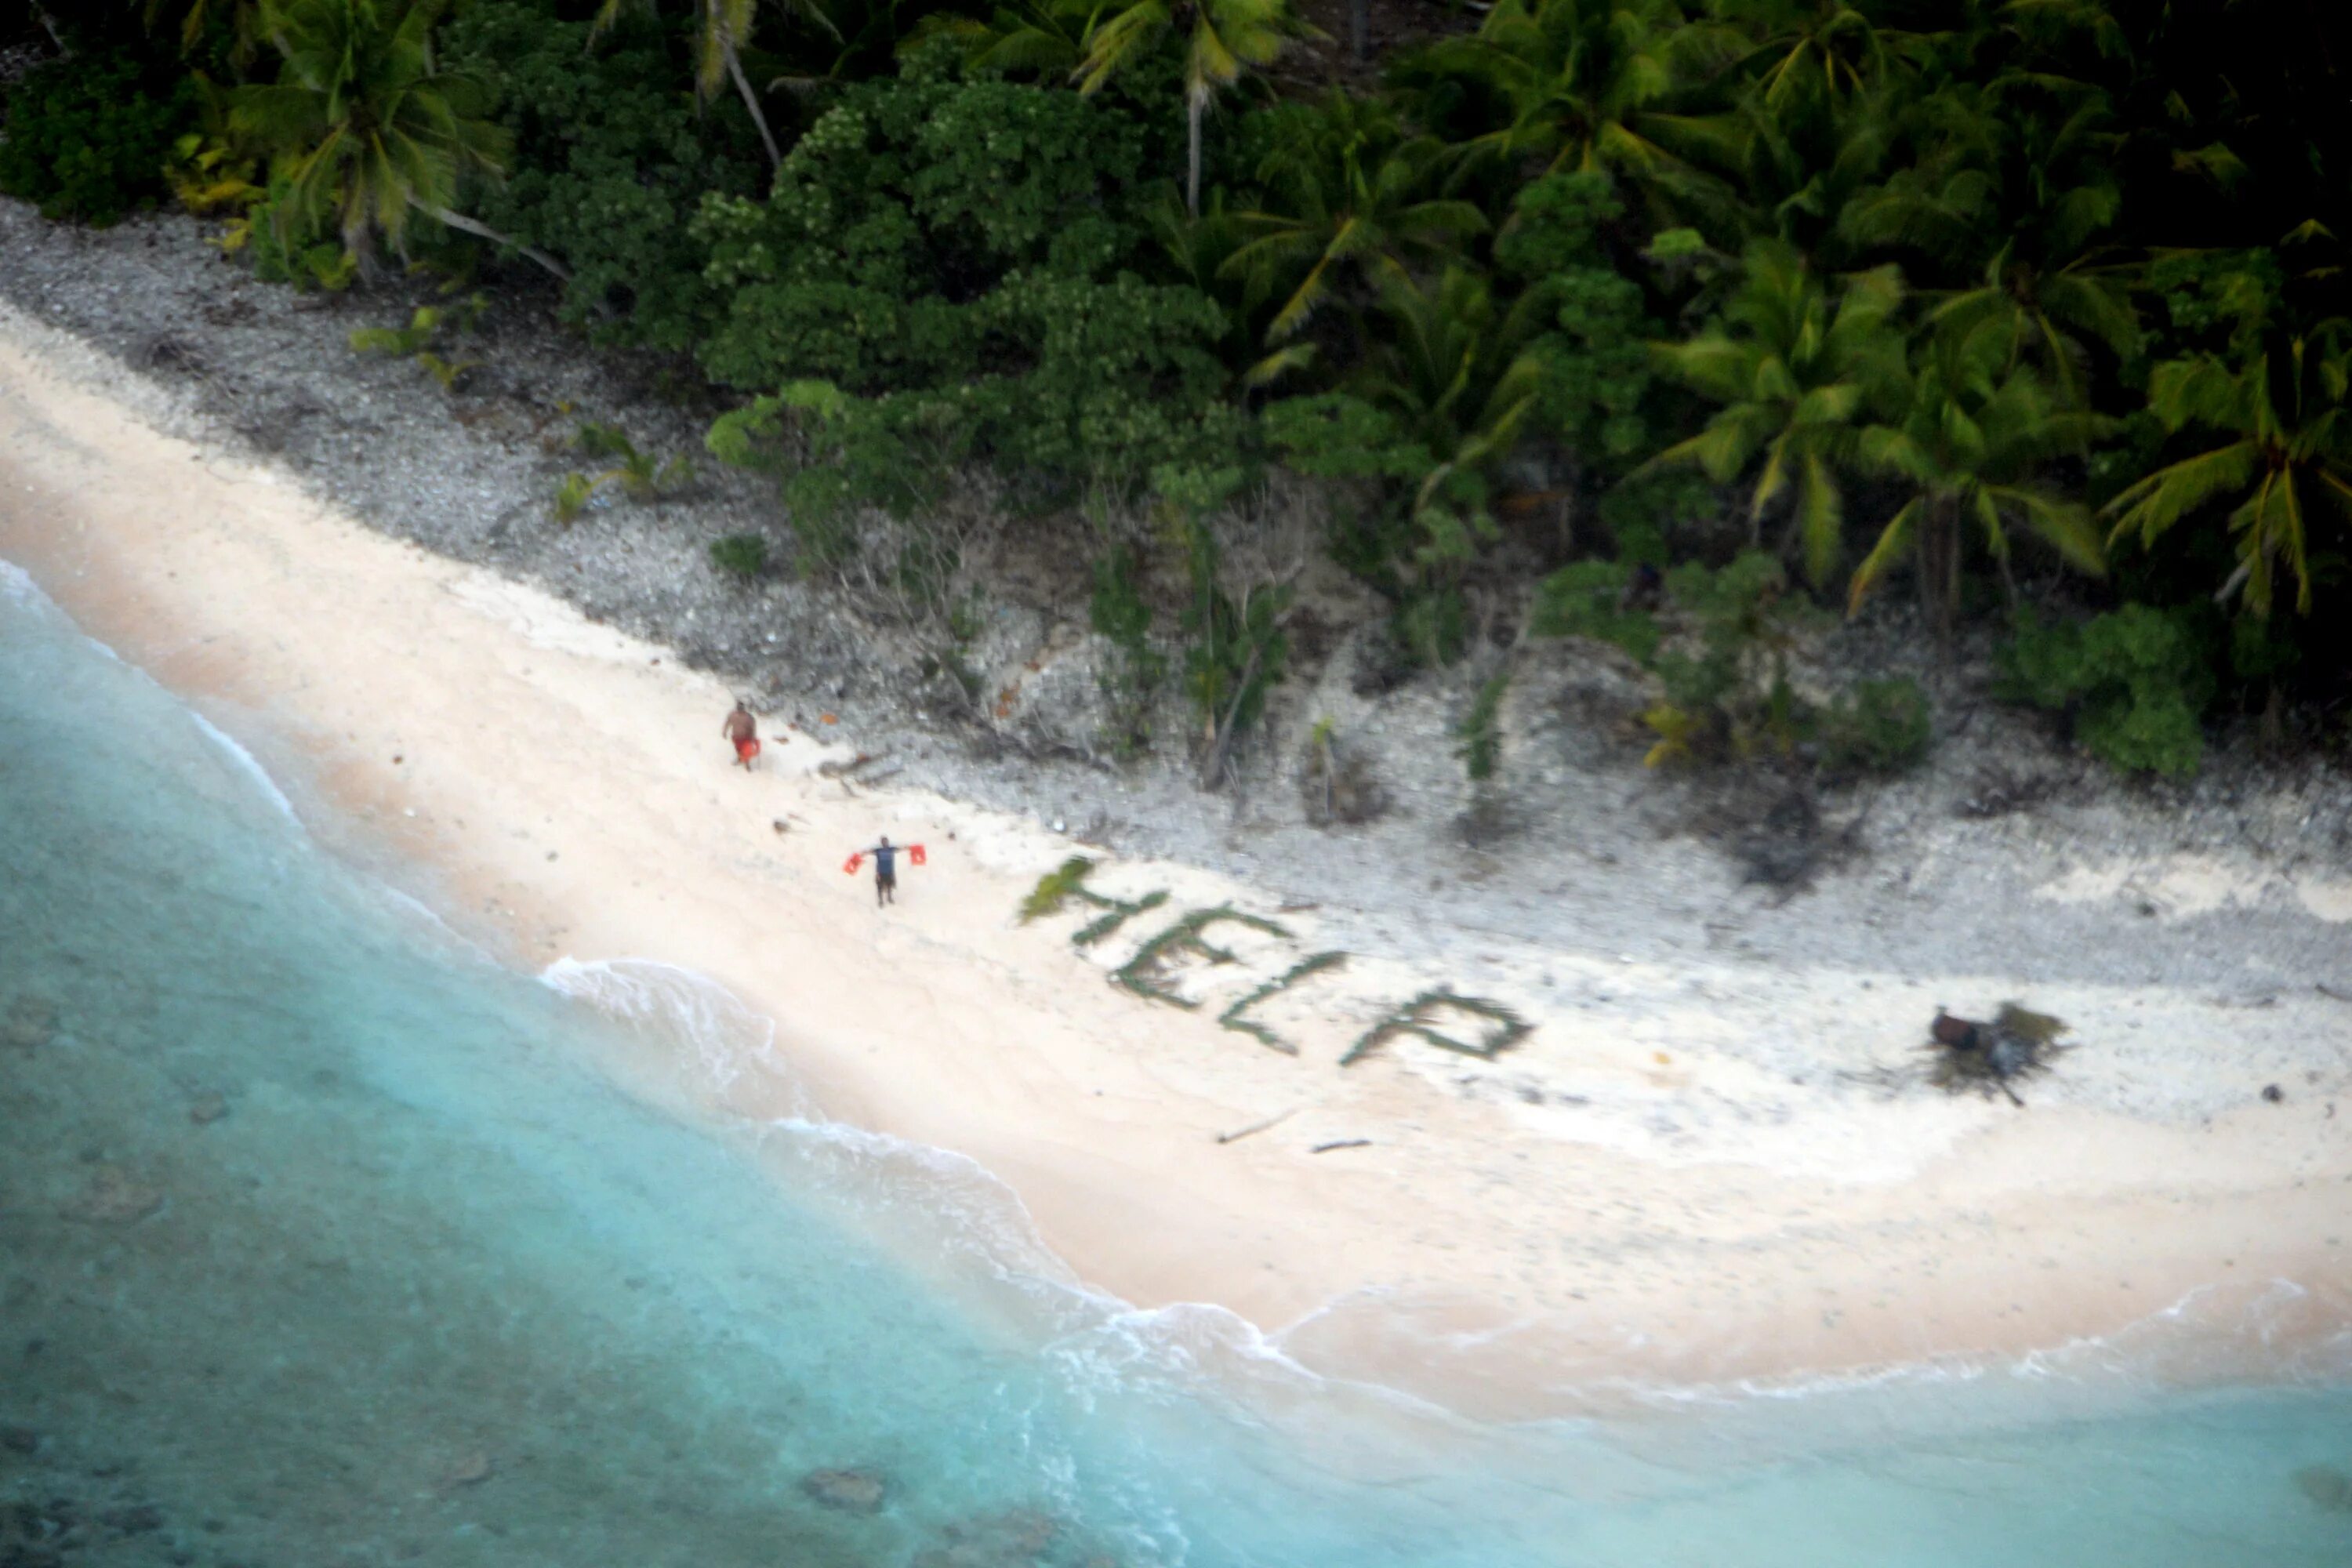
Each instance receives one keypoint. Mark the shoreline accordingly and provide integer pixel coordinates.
(1675, 1202)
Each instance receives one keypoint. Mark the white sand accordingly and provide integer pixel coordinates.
(1672, 1179)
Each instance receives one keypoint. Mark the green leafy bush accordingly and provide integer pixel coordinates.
(1878, 726)
(612, 157)
(743, 556)
(2135, 682)
(1596, 383)
(288, 247)
(963, 261)
(1588, 599)
(87, 138)
(1719, 646)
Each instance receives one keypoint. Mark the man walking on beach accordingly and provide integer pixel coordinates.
(744, 730)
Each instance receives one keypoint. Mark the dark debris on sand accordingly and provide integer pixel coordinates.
(1993, 1057)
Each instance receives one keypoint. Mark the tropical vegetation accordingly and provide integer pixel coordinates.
(2036, 308)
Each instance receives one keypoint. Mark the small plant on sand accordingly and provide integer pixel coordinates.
(571, 498)
(1421, 1016)
(641, 476)
(1879, 726)
(1480, 734)
(401, 341)
(445, 372)
(743, 556)
(1232, 1016)
(1336, 783)
(414, 341)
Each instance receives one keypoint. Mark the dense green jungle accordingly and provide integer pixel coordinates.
(1679, 324)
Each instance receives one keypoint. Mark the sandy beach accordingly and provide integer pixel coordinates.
(1683, 1174)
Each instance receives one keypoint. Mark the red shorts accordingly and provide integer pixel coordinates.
(746, 749)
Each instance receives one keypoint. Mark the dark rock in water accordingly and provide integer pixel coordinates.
(207, 1109)
(36, 1535)
(28, 1022)
(139, 1518)
(20, 1439)
(113, 1197)
(852, 1491)
(2328, 1487)
(1019, 1538)
(468, 1469)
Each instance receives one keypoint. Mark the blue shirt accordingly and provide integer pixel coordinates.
(885, 859)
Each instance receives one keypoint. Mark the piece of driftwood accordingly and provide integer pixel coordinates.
(1341, 1144)
(1256, 1127)
(831, 769)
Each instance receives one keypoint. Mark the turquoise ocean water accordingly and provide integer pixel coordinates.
(325, 1241)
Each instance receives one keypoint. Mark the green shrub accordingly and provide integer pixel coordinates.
(961, 262)
(1432, 626)
(1879, 726)
(288, 246)
(743, 556)
(422, 329)
(1587, 599)
(1238, 646)
(611, 159)
(1727, 684)
(1480, 734)
(1719, 649)
(571, 498)
(1596, 382)
(89, 138)
(1117, 612)
(2135, 683)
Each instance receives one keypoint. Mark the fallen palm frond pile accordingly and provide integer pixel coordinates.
(1993, 1057)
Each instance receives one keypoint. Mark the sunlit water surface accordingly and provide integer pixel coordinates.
(325, 1241)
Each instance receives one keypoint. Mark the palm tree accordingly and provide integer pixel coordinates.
(245, 25)
(1795, 367)
(724, 25)
(1037, 36)
(1798, 172)
(372, 130)
(2016, 201)
(2291, 448)
(1816, 51)
(1222, 38)
(1973, 433)
(1581, 82)
(1350, 199)
(1448, 363)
